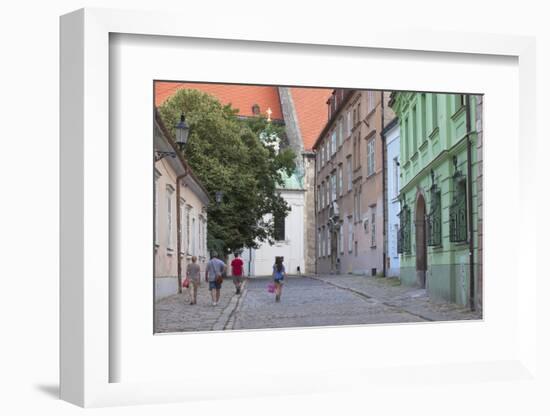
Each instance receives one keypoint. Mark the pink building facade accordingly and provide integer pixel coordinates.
(349, 180)
(180, 216)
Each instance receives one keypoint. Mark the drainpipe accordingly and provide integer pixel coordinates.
(384, 191)
(316, 209)
(470, 204)
(178, 225)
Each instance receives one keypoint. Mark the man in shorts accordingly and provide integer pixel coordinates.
(214, 271)
(237, 272)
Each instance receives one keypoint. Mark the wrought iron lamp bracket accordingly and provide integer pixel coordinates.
(159, 154)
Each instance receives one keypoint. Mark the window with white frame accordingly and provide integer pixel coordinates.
(324, 245)
(279, 226)
(358, 150)
(435, 115)
(370, 157)
(322, 194)
(354, 152)
(341, 239)
(340, 131)
(182, 225)
(350, 234)
(333, 187)
(327, 185)
(205, 237)
(188, 228)
(194, 241)
(414, 125)
(349, 123)
(319, 243)
(424, 115)
(359, 212)
(169, 219)
(200, 235)
(333, 142)
(156, 207)
(340, 180)
(322, 151)
(355, 206)
(350, 181)
(328, 242)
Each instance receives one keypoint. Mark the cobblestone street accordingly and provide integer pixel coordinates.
(306, 301)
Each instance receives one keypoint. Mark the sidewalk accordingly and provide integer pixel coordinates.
(390, 292)
(175, 314)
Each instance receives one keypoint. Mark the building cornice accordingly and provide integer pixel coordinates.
(390, 125)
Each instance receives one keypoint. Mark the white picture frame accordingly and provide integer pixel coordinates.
(87, 309)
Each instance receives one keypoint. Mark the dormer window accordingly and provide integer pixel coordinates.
(256, 109)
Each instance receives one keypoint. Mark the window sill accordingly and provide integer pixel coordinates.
(458, 112)
(434, 133)
(371, 112)
(370, 175)
(169, 251)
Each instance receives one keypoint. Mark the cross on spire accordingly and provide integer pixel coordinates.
(268, 111)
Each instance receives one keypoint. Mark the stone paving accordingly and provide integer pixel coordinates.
(306, 301)
(310, 302)
(410, 299)
(175, 314)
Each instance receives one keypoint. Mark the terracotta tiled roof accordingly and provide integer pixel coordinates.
(312, 112)
(241, 97)
(310, 103)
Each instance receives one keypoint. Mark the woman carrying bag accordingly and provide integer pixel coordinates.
(278, 277)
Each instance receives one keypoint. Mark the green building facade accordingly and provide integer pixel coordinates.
(439, 172)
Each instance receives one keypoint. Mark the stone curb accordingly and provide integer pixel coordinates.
(362, 294)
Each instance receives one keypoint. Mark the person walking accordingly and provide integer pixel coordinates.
(237, 272)
(194, 276)
(215, 268)
(278, 277)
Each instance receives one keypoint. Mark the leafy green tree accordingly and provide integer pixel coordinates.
(239, 158)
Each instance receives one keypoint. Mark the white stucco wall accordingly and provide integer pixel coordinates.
(292, 248)
(392, 140)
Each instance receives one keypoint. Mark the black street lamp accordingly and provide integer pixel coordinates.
(182, 133)
(219, 197)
